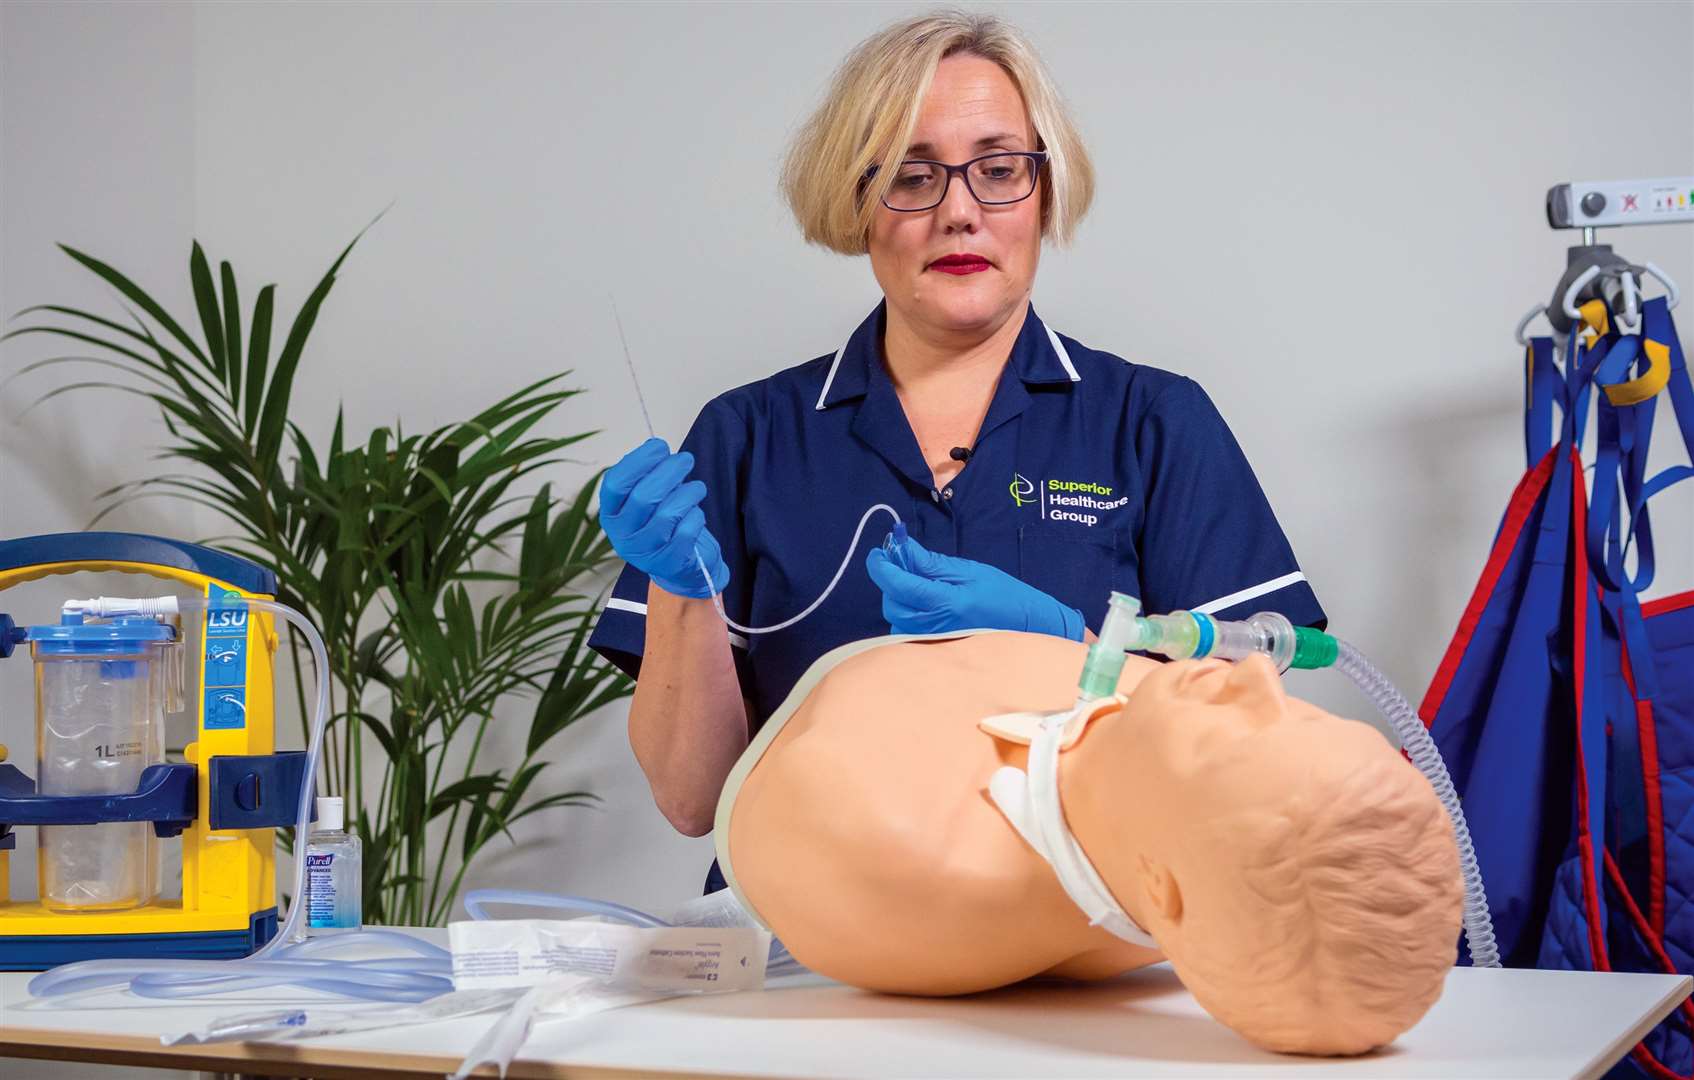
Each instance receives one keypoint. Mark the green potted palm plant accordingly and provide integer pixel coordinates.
(451, 587)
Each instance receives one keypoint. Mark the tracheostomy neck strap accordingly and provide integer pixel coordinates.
(1031, 803)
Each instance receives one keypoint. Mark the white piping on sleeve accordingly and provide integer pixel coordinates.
(636, 607)
(1252, 593)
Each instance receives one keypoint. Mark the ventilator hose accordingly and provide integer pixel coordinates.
(1414, 737)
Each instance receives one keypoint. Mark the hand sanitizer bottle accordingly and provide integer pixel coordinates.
(334, 873)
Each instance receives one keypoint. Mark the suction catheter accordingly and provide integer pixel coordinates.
(899, 532)
(1185, 635)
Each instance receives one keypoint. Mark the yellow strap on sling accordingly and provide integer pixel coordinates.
(1639, 389)
(1594, 314)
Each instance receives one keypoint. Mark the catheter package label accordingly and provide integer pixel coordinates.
(683, 959)
(225, 666)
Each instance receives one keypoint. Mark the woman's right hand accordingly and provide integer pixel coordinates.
(651, 513)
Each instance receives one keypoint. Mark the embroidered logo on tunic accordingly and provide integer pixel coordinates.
(1079, 501)
(1022, 490)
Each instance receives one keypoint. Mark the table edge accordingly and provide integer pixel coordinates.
(1620, 1048)
(296, 1059)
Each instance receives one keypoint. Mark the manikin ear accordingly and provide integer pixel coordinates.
(1159, 886)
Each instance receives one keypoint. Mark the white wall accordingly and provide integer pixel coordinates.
(1329, 215)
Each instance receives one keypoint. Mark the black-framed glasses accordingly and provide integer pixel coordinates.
(992, 179)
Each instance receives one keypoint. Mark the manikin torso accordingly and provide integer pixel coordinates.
(898, 873)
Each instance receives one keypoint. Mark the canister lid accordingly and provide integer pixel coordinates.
(74, 635)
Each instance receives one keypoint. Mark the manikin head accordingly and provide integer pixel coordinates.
(1300, 875)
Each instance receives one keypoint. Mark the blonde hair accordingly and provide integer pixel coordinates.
(1357, 900)
(871, 110)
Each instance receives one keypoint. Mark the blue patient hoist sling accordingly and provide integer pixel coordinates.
(1564, 706)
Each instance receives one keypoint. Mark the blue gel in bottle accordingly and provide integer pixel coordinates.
(334, 873)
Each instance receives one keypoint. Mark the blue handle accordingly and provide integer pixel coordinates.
(256, 791)
(136, 548)
(165, 797)
(11, 635)
(248, 791)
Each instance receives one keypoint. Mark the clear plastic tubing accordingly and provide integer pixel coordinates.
(717, 600)
(406, 978)
(476, 898)
(1479, 926)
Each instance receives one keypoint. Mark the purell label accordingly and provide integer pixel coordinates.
(320, 890)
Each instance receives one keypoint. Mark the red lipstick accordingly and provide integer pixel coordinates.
(966, 262)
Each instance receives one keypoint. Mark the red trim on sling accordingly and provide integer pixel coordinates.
(1644, 1058)
(1649, 735)
(1668, 603)
(1580, 580)
(1511, 527)
(1585, 839)
(1655, 943)
(1647, 729)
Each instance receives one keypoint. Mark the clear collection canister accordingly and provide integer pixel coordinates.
(101, 692)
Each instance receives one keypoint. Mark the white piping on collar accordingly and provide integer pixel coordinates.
(830, 378)
(1064, 357)
(835, 365)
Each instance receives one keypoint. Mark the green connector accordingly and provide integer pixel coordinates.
(1105, 659)
(1313, 648)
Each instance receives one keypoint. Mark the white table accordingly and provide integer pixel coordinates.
(1487, 1024)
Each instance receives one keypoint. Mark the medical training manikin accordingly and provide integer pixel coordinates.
(1298, 873)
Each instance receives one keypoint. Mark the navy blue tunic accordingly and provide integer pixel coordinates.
(1090, 474)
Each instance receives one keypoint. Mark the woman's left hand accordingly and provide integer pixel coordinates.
(928, 593)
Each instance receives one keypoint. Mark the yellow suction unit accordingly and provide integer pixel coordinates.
(103, 798)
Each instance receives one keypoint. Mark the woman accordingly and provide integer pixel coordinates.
(1034, 474)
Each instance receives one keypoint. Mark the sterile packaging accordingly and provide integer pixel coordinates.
(577, 967)
(721, 908)
(500, 953)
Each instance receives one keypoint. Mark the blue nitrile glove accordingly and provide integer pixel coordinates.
(927, 593)
(651, 513)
